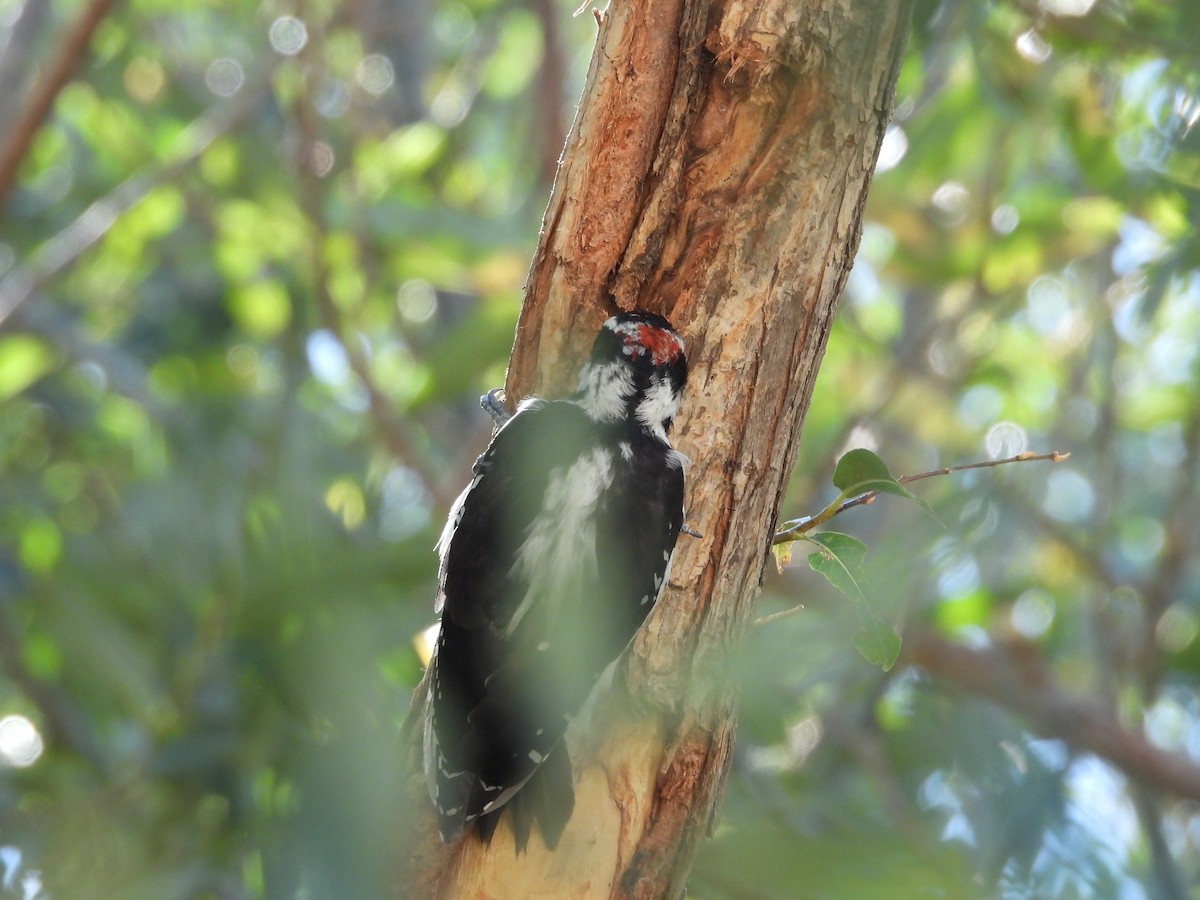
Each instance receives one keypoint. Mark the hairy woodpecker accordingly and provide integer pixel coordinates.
(551, 559)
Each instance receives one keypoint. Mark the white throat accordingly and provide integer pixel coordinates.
(604, 390)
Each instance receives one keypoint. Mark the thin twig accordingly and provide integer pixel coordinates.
(808, 523)
(1027, 456)
(782, 614)
(72, 50)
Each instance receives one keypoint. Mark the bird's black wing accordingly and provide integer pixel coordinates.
(560, 548)
(641, 530)
(482, 714)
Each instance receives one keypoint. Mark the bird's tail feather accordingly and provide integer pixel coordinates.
(547, 798)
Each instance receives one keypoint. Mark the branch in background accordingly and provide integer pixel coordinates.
(1112, 30)
(16, 72)
(93, 223)
(808, 524)
(1013, 676)
(393, 432)
(29, 123)
(548, 93)
(1166, 872)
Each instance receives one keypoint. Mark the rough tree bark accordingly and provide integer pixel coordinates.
(716, 173)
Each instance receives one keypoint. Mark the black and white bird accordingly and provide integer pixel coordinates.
(551, 559)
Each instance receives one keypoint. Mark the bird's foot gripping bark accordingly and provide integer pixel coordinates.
(493, 404)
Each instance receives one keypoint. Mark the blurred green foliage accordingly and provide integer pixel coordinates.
(261, 262)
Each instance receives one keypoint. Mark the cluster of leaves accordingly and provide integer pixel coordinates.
(839, 557)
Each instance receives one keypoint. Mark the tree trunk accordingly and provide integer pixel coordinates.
(716, 173)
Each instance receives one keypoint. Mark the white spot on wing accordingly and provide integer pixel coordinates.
(506, 793)
(666, 576)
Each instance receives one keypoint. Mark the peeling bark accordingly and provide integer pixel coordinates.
(716, 173)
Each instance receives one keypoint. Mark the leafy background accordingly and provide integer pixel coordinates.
(258, 265)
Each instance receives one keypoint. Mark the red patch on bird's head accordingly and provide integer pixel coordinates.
(663, 346)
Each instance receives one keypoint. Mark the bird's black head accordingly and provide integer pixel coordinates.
(637, 372)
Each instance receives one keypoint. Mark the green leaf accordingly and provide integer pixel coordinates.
(262, 309)
(23, 360)
(518, 54)
(40, 545)
(876, 640)
(860, 471)
(840, 560)
(783, 555)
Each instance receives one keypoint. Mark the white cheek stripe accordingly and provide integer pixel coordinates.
(603, 389)
(659, 404)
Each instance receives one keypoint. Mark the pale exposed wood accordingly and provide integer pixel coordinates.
(716, 173)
